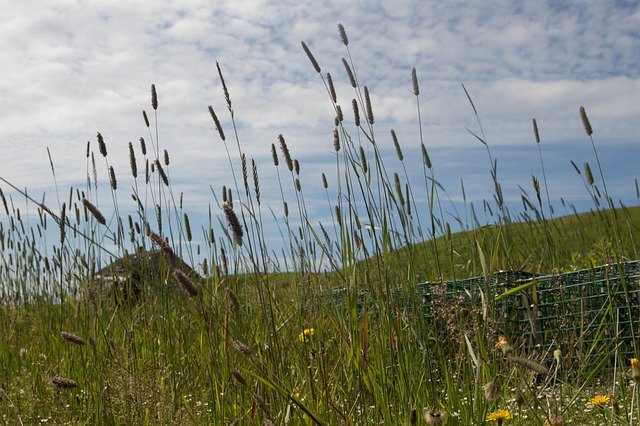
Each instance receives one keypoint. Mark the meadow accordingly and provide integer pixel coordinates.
(252, 336)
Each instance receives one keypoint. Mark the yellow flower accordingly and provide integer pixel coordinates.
(306, 334)
(502, 345)
(635, 369)
(499, 416)
(599, 400)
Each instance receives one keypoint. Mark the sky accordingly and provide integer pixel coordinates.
(74, 68)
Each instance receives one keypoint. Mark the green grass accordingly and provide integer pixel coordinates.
(232, 348)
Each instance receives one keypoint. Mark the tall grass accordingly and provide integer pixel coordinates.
(255, 336)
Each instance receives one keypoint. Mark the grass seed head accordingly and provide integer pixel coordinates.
(94, 211)
(161, 242)
(585, 121)
(187, 286)
(63, 382)
(132, 161)
(587, 174)
(217, 123)
(101, 145)
(336, 140)
(414, 81)
(285, 152)
(332, 89)
(311, 57)
(234, 223)
(352, 78)
(239, 377)
(536, 133)
(343, 35)
(241, 347)
(70, 337)
(396, 144)
(154, 97)
(367, 103)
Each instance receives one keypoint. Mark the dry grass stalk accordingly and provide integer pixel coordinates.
(187, 286)
(352, 78)
(588, 174)
(132, 161)
(239, 377)
(261, 403)
(339, 115)
(112, 178)
(216, 122)
(332, 89)
(245, 176)
(336, 140)
(77, 340)
(285, 152)
(363, 159)
(224, 89)
(414, 81)
(585, 121)
(101, 145)
(532, 365)
(397, 145)
(256, 182)
(343, 35)
(536, 133)
(225, 262)
(154, 97)
(187, 228)
(63, 382)
(234, 305)
(274, 155)
(234, 223)
(161, 172)
(94, 211)
(63, 221)
(367, 104)
(311, 58)
(241, 347)
(161, 242)
(425, 156)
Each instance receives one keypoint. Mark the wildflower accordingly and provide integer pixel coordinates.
(599, 400)
(499, 416)
(635, 369)
(306, 334)
(502, 345)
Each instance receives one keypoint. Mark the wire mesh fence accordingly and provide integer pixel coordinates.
(575, 310)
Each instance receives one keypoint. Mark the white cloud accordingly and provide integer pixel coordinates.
(71, 69)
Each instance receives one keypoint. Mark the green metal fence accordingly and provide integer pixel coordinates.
(569, 310)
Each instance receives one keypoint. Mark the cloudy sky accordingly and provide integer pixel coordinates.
(71, 69)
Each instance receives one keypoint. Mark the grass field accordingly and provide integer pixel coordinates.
(250, 339)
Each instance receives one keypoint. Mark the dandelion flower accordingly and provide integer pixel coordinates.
(499, 416)
(635, 369)
(502, 345)
(306, 334)
(599, 400)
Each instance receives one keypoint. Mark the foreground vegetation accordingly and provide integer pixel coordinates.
(252, 341)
